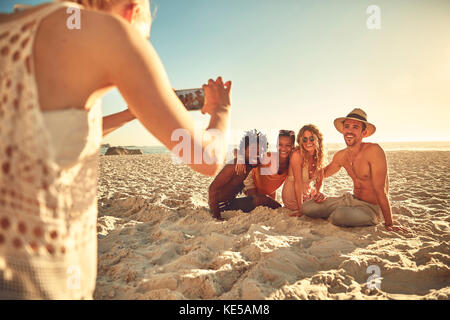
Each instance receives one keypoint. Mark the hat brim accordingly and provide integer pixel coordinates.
(339, 125)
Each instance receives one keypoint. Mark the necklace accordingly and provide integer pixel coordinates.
(311, 168)
(352, 159)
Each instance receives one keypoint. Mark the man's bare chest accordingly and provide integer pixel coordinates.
(357, 167)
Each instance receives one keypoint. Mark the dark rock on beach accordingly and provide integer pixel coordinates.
(119, 151)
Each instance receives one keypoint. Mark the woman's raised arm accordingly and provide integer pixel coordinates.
(114, 121)
(134, 67)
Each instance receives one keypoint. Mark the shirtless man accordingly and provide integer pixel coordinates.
(228, 184)
(366, 164)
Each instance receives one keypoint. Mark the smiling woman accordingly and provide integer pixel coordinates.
(305, 176)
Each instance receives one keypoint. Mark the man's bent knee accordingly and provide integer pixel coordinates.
(350, 217)
(314, 210)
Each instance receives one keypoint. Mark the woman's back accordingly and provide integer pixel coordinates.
(67, 70)
(51, 79)
(49, 177)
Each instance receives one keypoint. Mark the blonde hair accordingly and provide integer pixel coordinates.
(102, 5)
(106, 5)
(142, 21)
(319, 154)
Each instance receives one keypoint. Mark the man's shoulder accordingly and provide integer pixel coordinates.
(373, 152)
(373, 148)
(229, 167)
(340, 154)
(226, 172)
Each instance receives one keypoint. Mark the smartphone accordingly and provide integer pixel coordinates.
(192, 99)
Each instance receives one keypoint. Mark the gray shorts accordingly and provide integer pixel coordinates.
(344, 211)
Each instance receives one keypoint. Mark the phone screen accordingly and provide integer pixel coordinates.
(192, 99)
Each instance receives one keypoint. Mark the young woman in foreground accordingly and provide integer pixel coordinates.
(51, 81)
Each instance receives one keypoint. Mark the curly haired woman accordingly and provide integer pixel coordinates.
(305, 175)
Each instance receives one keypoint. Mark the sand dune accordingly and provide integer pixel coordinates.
(158, 241)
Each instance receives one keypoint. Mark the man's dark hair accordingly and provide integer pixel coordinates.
(363, 125)
(253, 136)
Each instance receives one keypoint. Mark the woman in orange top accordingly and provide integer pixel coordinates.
(266, 179)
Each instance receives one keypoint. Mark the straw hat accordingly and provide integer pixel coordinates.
(359, 115)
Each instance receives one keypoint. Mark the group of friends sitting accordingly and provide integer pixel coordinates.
(301, 170)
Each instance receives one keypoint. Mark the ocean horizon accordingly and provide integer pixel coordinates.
(387, 146)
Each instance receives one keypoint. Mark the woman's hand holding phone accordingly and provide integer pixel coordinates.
(217, 96)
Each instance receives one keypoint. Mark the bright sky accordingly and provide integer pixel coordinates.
(294, 62)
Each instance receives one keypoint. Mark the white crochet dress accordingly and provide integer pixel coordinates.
(48, 180)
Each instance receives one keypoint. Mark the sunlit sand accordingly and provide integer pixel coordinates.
(158, 241)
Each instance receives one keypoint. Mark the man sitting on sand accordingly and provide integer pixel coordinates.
(366, 164)
(228, 184)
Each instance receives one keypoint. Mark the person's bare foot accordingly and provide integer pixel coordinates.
(295, 214)
(218, 217)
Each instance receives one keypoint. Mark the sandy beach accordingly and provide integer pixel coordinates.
(157, 240)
